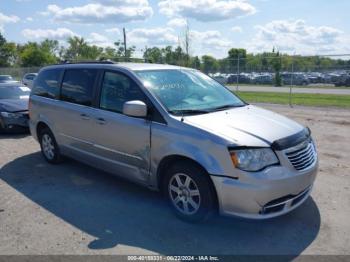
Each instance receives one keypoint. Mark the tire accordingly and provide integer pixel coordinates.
(49, 147)
(180, 181)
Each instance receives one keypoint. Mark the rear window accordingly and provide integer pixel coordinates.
(47, 83)
(77, 86)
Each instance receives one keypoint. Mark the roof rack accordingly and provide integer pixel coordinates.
(89, 62)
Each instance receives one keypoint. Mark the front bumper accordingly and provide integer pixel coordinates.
(273, 192)
(14, 124)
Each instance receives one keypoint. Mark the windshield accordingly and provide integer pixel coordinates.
(188, 91)
(6, 78)
(14, 92)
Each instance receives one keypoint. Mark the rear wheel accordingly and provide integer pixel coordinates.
(190, 192)
(49, 147)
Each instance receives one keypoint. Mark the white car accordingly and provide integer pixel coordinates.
(28, 79)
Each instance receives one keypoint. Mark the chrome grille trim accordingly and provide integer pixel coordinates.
(302, 156)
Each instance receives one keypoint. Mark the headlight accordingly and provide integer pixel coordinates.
(253, 159)
(10, 115)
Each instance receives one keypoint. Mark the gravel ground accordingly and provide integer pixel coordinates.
(74, 209)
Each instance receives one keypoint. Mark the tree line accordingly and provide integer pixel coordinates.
(36, 54)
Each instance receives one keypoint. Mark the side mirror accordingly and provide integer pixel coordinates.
(135, 108)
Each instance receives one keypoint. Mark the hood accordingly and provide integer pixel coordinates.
(14, 105)
(246, 126)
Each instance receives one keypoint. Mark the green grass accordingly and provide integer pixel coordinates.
(297, 99)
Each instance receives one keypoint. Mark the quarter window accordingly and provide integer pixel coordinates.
(77, 86)
(47, 83)
(118, 89)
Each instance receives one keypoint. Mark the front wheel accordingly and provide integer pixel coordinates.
(49, 147)
(190, 192)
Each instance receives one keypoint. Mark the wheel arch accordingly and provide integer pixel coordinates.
(40, 126)
(170, 160)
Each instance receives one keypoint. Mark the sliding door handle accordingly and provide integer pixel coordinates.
(85, 117)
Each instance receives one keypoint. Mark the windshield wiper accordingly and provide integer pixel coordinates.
(225, 107)
(189, 112)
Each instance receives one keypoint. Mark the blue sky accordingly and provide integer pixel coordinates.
(293, 26)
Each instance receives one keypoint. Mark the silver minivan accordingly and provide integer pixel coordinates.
(175, 130)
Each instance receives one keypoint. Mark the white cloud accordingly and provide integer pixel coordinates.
(5, 19)
(206, 10)
(29, 19)
(113, 30)
(153, 36)
(103, 11)
(237, 29)
(297, 36)
(100, 40)
(177, 22)
(209, 40)
(57, 34)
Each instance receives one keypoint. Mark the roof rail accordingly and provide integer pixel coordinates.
(89, 62)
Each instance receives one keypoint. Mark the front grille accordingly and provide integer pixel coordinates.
(303, 155)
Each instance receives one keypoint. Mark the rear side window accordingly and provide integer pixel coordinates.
(77, 86)
(47, 83)
(118, 89)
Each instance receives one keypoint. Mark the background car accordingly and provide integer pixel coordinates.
(343, 80)
(28, 79)
(14, 107)
(263, 79)
(298, 79)
(6, 79)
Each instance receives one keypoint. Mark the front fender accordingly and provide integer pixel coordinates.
(208, 152)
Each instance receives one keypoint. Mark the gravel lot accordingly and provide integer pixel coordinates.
(74, 209)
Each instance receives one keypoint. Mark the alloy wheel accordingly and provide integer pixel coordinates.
(184, 194)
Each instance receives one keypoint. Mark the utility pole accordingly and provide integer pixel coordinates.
(125, 55)
(238, 57)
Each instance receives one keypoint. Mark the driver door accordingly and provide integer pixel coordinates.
(121, 142)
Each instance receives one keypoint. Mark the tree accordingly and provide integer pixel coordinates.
(33, 55)
(79, 49)
(50, 46)
(75, 48)
(180, 58)
(277, 64)
(8, 52)
(209, 64)
(153, 55)
(121, 53)
(2, 39)
(195, 62)
(168, 55)
(235, 56)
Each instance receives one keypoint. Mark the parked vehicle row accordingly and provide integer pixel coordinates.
(27, 79)
(337, 78)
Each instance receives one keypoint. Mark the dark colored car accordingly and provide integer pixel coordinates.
(14, 107)
(263, 80)
(242, 79)
(343, 80)
(295, 79)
